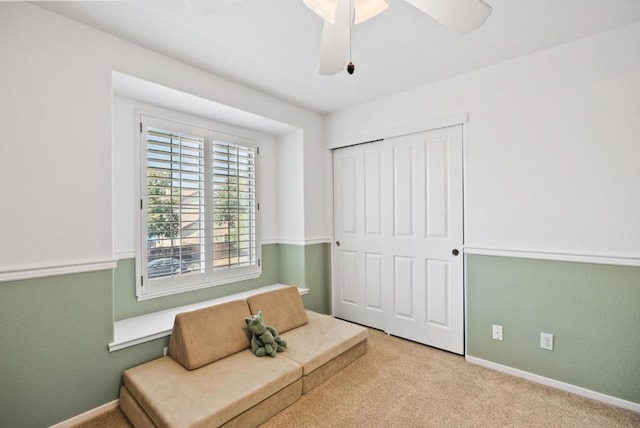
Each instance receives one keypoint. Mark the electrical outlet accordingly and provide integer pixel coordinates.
(165, 351)
(546, 341)
(497, 332)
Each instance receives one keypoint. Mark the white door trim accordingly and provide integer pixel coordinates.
(399, 131)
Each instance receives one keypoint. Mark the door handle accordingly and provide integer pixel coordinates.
(337, 243)
(455, 252)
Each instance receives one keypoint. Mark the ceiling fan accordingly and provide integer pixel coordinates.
(462, 16)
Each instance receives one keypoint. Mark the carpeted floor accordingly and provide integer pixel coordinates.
(403, 384)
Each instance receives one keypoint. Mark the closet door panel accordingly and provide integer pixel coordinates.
(398, 215)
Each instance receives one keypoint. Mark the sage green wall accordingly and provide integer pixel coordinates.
(54, 361)
(54, 331)
(127, 306)
(592, 310)
(306, 266)
(309, 266)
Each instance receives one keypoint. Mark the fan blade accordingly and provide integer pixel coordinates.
(335, 41)
(205, 7)
(325, 9)
(367, 9)
(462, 16)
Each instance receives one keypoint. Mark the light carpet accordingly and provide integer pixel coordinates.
(399, 383)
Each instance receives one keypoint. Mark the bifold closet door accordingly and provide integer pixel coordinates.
(398, 228)
(358, 231)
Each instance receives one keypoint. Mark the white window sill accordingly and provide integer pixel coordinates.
(144, 328)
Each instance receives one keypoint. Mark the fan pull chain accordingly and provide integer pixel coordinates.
(350, 67)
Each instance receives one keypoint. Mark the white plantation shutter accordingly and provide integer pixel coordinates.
(234, 206)
(199, 216)
(175, 202)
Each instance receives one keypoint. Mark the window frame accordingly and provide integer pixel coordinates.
(148, 288)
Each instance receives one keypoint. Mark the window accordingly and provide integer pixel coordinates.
(199, 209)
(234, 206)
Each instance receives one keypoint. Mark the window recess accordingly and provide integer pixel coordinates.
(199, 213)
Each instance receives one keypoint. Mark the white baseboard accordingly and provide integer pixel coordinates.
(618, 402)
(88, 415)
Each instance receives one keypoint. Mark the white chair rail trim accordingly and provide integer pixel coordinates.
(565, 256)
(15, 273)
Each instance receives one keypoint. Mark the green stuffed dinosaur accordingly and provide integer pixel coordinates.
(264, 338)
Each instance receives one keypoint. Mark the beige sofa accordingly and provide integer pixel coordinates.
(211, 378)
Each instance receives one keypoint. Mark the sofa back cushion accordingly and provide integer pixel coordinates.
(282, 308)
(206, 335)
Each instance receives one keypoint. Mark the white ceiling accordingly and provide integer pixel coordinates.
(273, 45)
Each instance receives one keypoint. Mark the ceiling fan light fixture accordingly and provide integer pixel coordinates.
(366, 9)
(325, 9)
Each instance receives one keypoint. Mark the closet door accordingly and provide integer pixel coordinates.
(358, 246)
(398, 220)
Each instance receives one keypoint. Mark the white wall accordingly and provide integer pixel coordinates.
(290, 175)
(55, 176)
(126, 179)
(552, 146)
(56, 118)
(318, 203)
(269, 189)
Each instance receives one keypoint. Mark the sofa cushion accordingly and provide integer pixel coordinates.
(213, 394)
(282, 308)
(320, 340)
(203, 336)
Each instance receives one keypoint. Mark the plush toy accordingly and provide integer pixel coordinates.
(264, 338)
